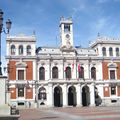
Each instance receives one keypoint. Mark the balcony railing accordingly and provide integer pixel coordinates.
(38, 82)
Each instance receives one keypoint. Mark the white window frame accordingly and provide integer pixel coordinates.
(21, 66)
(115, 73)
(23, 96)
(112, 66)
(115, 92)
(24, 69)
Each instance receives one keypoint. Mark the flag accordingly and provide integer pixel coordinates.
(79, 68)
(65, 69)
(72, 66)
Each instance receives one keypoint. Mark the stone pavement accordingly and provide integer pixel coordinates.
(71, 113)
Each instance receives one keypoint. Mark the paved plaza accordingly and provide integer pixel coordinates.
(71, 113)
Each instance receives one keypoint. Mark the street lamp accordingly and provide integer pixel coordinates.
(8, 26)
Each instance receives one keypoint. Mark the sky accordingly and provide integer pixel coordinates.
(90, 17)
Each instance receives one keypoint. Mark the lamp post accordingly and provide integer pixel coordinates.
(8, 26)
(36, 93)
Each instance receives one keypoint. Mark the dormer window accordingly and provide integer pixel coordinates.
(28, 50)
(20, 50)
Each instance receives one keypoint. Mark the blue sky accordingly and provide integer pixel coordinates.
(43, 16)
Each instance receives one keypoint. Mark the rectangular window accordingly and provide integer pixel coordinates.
(113, 90)
(112, 74)
(20, 91)
(66, 28)
(20, 74)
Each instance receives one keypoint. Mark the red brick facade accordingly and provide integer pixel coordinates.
(29, 76)
(13, 93)
(105, 70)
(12, 70)
(29, 93)
(29, 70)
(106, 90)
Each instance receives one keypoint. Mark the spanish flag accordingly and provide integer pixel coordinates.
(79, 67)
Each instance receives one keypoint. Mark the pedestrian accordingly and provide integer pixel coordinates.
(29, 104)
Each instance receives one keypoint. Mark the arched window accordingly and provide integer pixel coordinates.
(20, 50)
(42, 94)
(54, 72)
(117, 51)
(81, 73)
(41, 73)
(104, 51)
(28, 50)
(68, 72)
(12, 49)
(110, 51)
(93, 73)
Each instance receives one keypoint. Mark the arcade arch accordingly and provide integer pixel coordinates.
(85, 96)
(58, 97)
(72, 96)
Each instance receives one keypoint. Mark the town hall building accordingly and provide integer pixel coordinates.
(63, 76)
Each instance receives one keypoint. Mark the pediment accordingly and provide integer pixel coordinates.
(112, 65)
(21, 65)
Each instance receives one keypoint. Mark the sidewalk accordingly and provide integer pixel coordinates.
(72, 113)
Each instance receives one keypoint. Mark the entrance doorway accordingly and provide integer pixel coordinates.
(85, 96)
(72, 96)
(58, 97)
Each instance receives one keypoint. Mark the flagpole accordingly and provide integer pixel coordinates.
(89, 67)
(76, 70)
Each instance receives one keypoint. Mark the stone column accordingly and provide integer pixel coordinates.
(92, 95)
(50, 96)
(4, 108)
(65, 95)
(63, 69)
(3, 90)
(79, 95)
(50, 69)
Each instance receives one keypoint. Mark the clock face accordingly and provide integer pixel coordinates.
(67, 36)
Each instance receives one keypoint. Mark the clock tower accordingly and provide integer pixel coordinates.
(66, 33)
